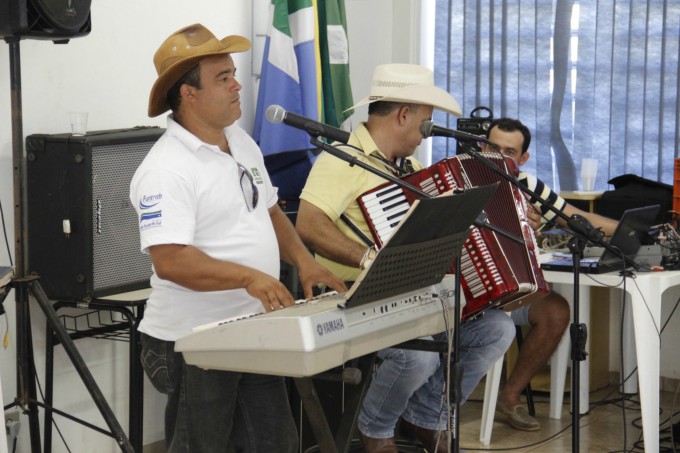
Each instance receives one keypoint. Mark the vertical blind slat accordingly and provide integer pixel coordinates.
(624, 109)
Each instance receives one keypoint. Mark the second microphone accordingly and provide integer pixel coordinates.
(277, 114)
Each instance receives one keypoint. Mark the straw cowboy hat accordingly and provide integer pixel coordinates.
(408, 83)
(180, 53)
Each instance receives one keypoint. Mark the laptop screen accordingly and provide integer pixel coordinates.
(628, 237)
(630, 233)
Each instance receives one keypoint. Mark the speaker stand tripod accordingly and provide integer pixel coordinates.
(23, 285)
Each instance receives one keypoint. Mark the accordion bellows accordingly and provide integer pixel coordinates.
(495, 270)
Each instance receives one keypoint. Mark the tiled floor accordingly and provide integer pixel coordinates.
(602, 430)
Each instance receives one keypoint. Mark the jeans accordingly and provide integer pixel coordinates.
(218, 411)
(410, 384)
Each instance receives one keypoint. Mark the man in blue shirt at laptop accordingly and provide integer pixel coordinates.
(549, 316)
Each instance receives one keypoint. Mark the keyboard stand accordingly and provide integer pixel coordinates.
(354, 396)
(341, 441)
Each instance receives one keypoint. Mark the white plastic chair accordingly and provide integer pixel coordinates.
(558, 373)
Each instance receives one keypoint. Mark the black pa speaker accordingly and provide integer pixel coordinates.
(55, 20)
(83, 233)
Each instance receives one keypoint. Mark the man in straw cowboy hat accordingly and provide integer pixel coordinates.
(209, 219)
(408, 384)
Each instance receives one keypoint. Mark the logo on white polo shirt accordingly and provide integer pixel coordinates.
(257, 176)
(149, 201)
(150, 219)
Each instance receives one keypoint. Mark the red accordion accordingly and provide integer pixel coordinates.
(495, 269)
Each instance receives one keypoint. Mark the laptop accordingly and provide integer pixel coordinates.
(628, 237)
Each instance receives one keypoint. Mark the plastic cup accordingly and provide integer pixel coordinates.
(588, 174)
(78, 122)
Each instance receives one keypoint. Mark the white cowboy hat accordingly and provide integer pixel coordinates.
(408, 83)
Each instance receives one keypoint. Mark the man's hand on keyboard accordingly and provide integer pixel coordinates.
(271, 293)
(313, 274)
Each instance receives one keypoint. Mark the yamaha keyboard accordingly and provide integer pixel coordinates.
(316, 335)
(393, 300)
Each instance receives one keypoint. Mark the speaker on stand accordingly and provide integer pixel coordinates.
(59, 21)
(82, 231)
(55, 20)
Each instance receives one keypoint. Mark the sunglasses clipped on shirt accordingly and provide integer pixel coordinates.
(248, 187)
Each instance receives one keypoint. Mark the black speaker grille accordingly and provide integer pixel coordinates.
(116, 257)
(85, 181)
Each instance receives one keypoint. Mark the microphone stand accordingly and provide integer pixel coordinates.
(582, 232)
(456, 368)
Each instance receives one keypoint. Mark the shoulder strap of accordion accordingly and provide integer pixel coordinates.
(356, 230)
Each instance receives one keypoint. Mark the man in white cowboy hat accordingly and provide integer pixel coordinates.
(209, 218)
(408, 384)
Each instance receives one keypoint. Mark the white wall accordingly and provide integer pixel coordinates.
(109, 74)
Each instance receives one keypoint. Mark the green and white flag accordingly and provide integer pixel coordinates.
(334, 49)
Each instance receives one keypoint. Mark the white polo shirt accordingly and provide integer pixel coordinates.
(189, 192)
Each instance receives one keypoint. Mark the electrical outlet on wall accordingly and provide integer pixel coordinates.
(12, 423)
(12, 415)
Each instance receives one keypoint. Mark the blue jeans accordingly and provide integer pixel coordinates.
(218, 411)
(409, 384)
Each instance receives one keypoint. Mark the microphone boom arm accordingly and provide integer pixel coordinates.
(353, 160)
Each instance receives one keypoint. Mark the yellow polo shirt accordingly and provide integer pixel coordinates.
(334, 186)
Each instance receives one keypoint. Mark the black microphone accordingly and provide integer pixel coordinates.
(277, 114)
(429, 129)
